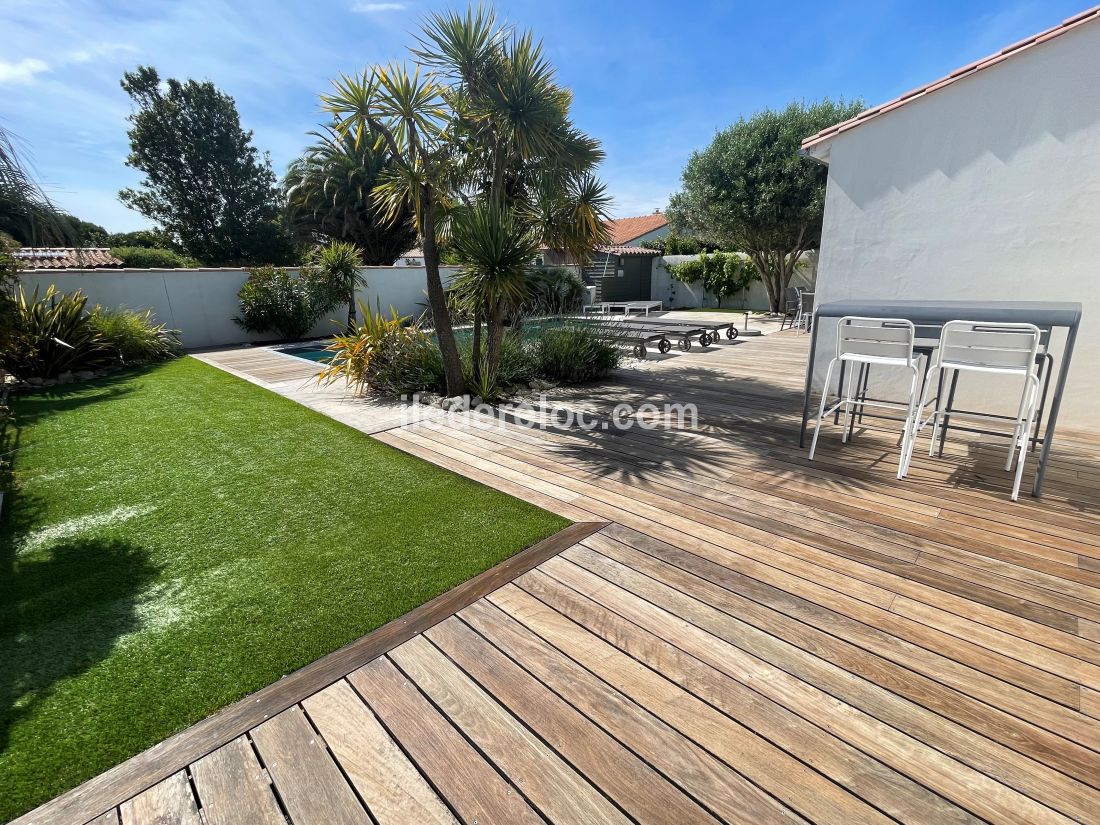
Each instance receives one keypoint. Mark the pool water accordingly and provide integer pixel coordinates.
(313, 352)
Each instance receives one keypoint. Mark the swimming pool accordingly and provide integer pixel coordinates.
(317, 353)
(311, 352)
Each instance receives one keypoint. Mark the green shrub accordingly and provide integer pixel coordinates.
(136, 337)
(141, 257)
(273, 300)
(554, 291)
(573, 354)
(52, 335)
(722, 274)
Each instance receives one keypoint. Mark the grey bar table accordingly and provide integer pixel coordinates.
(1047, 315)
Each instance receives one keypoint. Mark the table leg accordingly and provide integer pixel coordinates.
(1046, 369)
(809, 387)
(1055, 405)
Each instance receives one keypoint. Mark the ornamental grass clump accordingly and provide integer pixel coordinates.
(135, 336)
(575, 353)
(51, 335)
(384, 355)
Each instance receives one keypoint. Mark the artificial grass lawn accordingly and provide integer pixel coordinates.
(179, 538)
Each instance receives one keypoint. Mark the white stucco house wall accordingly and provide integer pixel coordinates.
(982, 185)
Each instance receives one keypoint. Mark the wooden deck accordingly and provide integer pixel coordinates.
(733, 634)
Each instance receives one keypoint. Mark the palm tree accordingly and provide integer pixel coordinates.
(329, 196)
(340, 263)
(406, 114)
(485, 151)
(526, 174)
(26, 214)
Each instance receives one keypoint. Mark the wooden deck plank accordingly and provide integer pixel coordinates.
(233, 788)
(552, 785)
(387, 781)
(773, 769)
(474, 789)
(635, 786)
(310, 784)
(169, 802)
(931, 679)
(708, 780)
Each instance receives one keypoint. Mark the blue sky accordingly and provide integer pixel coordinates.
(652, 80)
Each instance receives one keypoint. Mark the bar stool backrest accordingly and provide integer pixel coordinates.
(988, 347)
(875, 340)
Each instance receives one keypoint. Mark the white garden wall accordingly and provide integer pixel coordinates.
(986, 189)
(678, 295)
(201, 303)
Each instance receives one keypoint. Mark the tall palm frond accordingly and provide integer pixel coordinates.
(462, 46)
(26, 213)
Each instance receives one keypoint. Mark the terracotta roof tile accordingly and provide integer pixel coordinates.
(963, 71)
(624, 230)
(620, 249)
(55, 257)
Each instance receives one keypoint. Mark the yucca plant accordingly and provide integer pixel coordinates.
(495, 250)
(53, 334)
(338, 263)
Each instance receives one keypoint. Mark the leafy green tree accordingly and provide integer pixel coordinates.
(205, 183)
(147, 257)
(750, 190)
(145, 238)
(329, 196)
(86, 233)
(485, 152)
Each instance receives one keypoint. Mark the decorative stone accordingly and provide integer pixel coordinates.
(85, 375)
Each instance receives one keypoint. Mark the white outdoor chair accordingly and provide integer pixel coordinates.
(886, 342)
(1000, 349)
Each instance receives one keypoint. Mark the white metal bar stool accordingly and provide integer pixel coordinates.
(886, 342)
(999, 349)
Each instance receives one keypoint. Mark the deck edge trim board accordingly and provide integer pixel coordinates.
(114, 786)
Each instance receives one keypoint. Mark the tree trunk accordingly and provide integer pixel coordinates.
(496, 339)
(351, 310)
(475, 347)
(437, 300)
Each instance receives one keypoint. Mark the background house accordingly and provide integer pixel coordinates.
(982, 185)
(632, 231)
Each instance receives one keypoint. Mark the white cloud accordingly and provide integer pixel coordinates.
(95, 51)
(373, 8)
(21, 72)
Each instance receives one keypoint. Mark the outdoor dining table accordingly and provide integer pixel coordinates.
(1046, 315)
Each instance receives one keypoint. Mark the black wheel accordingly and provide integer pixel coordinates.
(684, 344)
(731, 333)
(639, 350)
(706, 340)
(664, 345)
